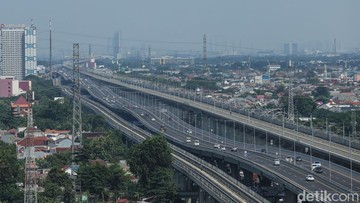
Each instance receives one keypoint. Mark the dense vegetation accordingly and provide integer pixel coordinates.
(10, 173)
(151, 162)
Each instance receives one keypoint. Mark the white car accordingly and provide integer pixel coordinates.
(289, 159)
(188, 139)
(223, 148)
(153, 119)
(196, 142)
(310, 178)
(315, 165)
(217, 146)
(277, 162)
(189, 131)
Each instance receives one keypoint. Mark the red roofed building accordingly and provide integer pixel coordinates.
(20, 107)
(37, 141)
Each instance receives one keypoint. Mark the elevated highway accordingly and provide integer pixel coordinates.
(218, 184)
(287, 174)
(336, 149)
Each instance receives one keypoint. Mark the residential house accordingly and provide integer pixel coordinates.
(20, 107)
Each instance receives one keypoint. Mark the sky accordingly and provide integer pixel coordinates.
(232, 26)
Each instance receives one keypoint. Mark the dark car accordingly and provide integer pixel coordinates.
(263, 151)
(318, 169)
(298, 158)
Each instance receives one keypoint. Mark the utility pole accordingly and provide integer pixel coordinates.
(77, 122)
(204, 52)
(30, 191)
(291, 96)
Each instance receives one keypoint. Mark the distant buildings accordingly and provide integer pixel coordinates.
(18, 55)
(172, 61)
(10, 87)
(291, 49)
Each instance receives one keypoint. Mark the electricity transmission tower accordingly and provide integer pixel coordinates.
(77, 122)
(30, 191)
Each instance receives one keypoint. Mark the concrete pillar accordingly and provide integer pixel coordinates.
(202, 196)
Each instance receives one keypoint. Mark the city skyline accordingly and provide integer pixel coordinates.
(233, 26)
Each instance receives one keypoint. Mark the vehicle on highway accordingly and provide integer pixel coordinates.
(310, 178)
(234, 149)
(188, 139)
(263, 151)
(189, 131)
(277, 162)
(141, 114)
(315, 164)
(289, 159)
(241, 174)
(223, 148)
(217, 146)
(153, 119)
(162, 128)
(298, 158)
(196, 142)
(318, 169)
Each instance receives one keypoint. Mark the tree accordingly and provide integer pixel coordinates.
(151, 162)
(321, 93)
(161, 185)
(10, 174)
(304, 105)
(57, 185)
(145, 157)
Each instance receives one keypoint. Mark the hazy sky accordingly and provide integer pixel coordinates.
(180, 25)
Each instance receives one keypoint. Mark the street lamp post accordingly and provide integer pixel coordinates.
(234, 133)
(312, 137)
(244, 140)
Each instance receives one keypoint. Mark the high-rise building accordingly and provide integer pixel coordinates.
(116, 46)
(291, 49)
(30, 51)
(294, 48)
(287, 49)
(18, 56)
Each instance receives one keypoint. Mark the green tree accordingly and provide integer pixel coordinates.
(10, 172)
(57, 185)
(321, 93)
(161, 185)
(304, 105)
(145, 157)
(151, 162)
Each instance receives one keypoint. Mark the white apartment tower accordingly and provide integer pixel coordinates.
(17, 51)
